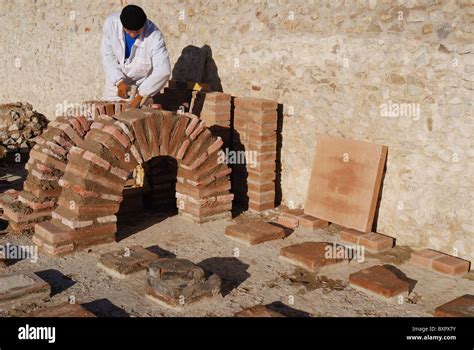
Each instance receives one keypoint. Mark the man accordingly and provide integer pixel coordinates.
(133, 53)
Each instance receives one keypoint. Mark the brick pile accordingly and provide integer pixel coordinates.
(100, 164)
(46, 165)
(255, 125)
(214, 108)
(19, 125)
(179, 282)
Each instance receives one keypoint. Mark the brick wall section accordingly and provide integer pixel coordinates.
(255, 125)
(97, 171)
(46, 166)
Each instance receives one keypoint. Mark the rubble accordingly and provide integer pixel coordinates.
(179, 282)
(19, 125)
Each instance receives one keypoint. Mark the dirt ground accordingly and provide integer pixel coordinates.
(250, 275)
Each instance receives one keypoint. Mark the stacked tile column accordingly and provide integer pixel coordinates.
(255, 125)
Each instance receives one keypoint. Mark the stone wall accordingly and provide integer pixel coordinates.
(345, 68)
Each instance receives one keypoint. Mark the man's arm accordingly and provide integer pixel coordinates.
(110, 63)
(161, 71)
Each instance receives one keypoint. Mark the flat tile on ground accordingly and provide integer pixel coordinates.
(386, 281)
(258, 311)
(124, 262)
(255, 232)
(459, 307)
(312, 256)
(62, 310)
(22, 288)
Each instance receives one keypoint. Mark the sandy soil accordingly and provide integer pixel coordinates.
(250, 275)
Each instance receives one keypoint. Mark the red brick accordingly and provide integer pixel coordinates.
(376, 242)
(124, 140)
(351, 236)
(255, 103)
(259, 207)
(253, 233)
(311, 222)
(288, 221)
(94, 158)
(312, 256)
(459, 307)
(449, 265)
(373, 242)
(77, 126)
(382, 280)
(425, 257)
(262, 197)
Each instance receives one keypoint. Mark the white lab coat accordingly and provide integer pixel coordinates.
(148, 66)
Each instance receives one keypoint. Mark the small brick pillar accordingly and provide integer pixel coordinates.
(255, 125)
(214, 108)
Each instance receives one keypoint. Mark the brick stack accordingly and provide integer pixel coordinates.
(46, 165)
(214, 108)
(161, 176)
(98, 169)
(255, 125)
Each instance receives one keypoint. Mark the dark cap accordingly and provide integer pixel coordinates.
(133, 17)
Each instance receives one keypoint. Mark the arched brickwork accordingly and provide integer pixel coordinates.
(47, 164)
(94, 171)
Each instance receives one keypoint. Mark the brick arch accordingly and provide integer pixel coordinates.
(99, 165)
(46, 165)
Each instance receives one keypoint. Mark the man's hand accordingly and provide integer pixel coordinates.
(122, 89)
(136, 101)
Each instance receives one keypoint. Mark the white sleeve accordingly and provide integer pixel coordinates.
(161, 70)
(110, 62)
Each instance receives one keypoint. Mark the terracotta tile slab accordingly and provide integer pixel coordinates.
(62, 310)
(345, 182)
(459, 307)
(310, 255)
(22, 288)
(258, 311)
(124, 262)
(386, 281)
(251, 233)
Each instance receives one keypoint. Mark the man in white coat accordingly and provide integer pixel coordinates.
(133, 53)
